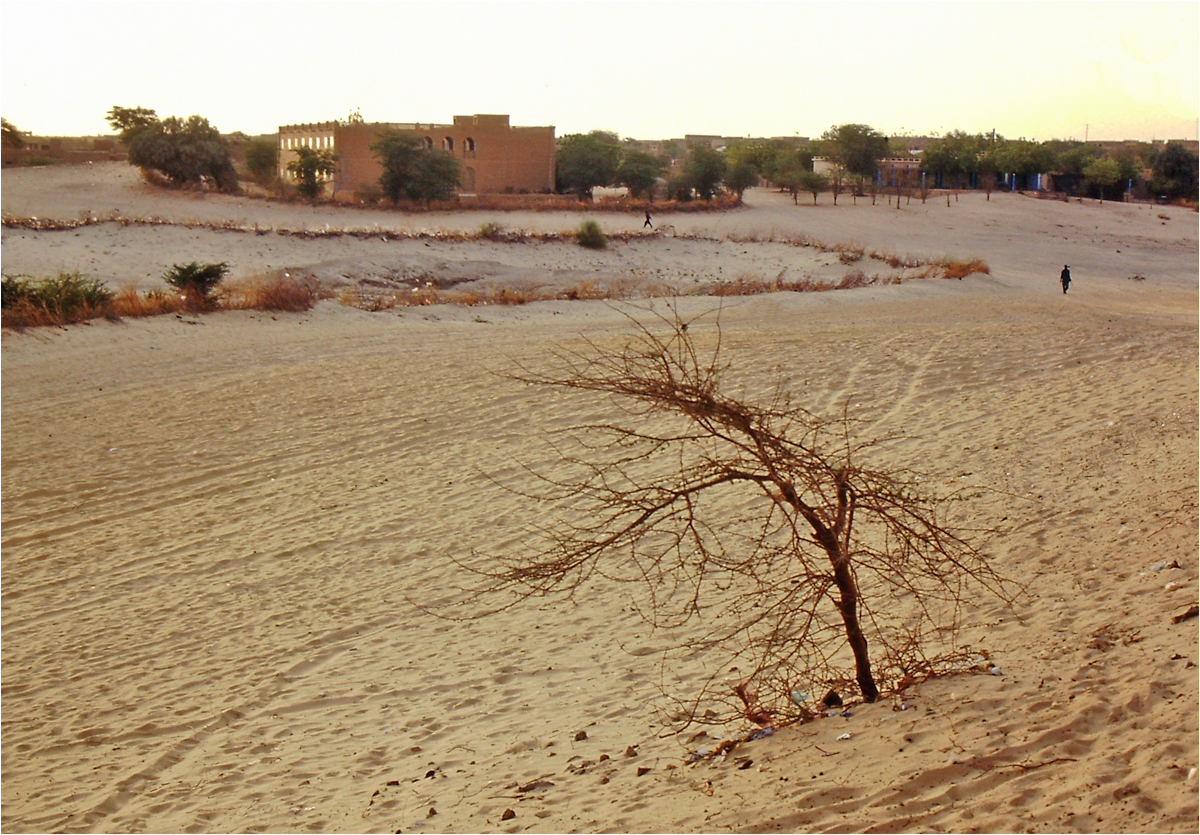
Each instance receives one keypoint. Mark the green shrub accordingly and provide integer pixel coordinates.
(590, 236)
(262, 160)
(66, 297)
(13, 291)
(196, 281)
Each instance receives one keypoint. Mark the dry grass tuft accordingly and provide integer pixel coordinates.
(853, 280)
(953, 268)
(129, 303)
(273, 291)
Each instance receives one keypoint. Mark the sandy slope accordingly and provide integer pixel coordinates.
(214, 530)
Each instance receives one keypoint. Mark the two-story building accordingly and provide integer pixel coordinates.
(494, 157)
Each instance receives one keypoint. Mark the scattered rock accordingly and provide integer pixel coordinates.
(1192, 612)
(581, 736)
(431, 813)
(431, 773)
(744, 763)
(508, 815)
(393, 782)
(643, 770)
(604, 757)
(832, 699)
(631, 751)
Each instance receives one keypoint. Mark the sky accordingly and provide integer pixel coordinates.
(646, 70)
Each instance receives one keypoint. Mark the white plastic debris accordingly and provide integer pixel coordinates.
(844, 736)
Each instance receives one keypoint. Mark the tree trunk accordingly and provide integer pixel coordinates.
(848, 606)
(830, 542)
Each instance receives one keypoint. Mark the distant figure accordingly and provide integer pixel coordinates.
(647, 223)
(1066, 277)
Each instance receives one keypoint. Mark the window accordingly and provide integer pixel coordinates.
(448, 143)
(470, 144)
(428, 142)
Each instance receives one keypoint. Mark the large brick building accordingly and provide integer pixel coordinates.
(494, 156)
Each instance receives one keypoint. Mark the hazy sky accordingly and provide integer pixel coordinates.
(642, 69)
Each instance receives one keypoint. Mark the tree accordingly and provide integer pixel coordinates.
(1074, 160)
(856, 148)
(129, 120)
(438, 176)
(413, 171)
(12, 136)
(793, 173)
(704, 169)
(813, 183)
(679, 186)
(740, 176)
(1023, 157)
(262, 160)
(761, 155)
(182, 150)
(639, 172)
(955, 154)
(759, 518)
(788, 169)
(1175, 171)
(1102, 173)
(585, 161)
(311, 168)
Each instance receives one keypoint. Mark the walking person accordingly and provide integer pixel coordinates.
(647, 223)
(1066, 277)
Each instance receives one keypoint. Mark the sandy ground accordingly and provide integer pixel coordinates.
(214, 530)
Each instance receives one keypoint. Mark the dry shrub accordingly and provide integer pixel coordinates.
(849, 256)
(751, 285)
(743, 286)
(954, 268)
(131, 304)
(897, 262)
(853, 280)
(273, 291)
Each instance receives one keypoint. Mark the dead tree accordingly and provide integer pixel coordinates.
(758, 517)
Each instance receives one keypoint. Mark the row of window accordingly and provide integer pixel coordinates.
(319, 142)
(448, 144)
(326, 142)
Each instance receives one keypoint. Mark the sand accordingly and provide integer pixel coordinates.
(215, 530)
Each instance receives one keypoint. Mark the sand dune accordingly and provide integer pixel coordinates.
(215, 529)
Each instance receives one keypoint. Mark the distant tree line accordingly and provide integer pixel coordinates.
(192, 151)
(853, 153)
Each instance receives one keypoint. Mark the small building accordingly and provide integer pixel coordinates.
(495, 157)
(40, 150)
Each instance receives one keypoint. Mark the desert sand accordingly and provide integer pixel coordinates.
(215, 529)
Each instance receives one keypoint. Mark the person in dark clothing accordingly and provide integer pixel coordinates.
(1066, 277)
(647, 223)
